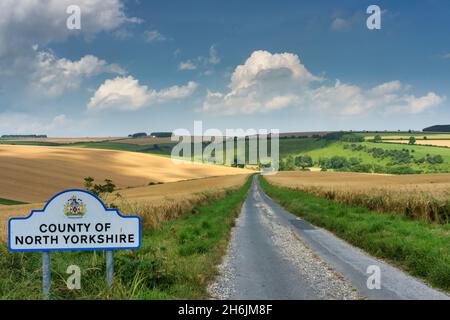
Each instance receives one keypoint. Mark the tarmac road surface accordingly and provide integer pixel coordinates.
(276, 255)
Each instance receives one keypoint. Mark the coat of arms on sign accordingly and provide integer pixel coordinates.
(75, 208)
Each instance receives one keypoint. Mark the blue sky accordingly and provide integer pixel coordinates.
(160, 65)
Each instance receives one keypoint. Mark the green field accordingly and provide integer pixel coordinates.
(420, 248)
(319, 149)
(176, 261)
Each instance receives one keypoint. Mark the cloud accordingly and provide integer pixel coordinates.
(279, 102)
(340, 24)
(26, 23)
(29, 26)
(259, 84)
(187, 65)
(268, 82)
(446, 56)
(387, 88)
(53, 76)
(204, 63)
(20, 123)
(213, 55)
(418, 105)
(127, 94)
(154, 36)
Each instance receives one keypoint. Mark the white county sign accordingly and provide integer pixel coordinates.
(74, 220)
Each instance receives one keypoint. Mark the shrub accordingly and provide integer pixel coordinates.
(303, 161)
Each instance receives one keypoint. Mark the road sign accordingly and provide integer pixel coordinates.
(74, 220)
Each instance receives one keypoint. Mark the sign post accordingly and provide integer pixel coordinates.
(109, 268)
(46, 274)
(74, 220)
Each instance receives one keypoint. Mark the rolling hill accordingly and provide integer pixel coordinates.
(35, 173)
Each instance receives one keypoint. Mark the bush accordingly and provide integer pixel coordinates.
(338, 162)
(435, 159)
(402, 170)
(303, 161)
(352, 138)
(377, 138)
(287, 164)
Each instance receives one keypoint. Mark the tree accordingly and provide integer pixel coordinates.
(412, 140)
(303, 161)
(99, 189)
(287, 164)
(338, 162)
(377, 138)
(88, 183)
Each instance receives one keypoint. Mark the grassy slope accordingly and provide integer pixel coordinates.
(337, 149)
(176, 261)
(296, 146)
(421, 249)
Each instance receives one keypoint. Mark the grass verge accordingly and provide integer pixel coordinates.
(176, 261)
(420, 248)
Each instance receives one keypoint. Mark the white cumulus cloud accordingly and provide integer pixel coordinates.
(267, 82)
(127, 94)
(420, 104)
(53, 76)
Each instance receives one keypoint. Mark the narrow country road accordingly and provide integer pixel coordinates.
(276, 255)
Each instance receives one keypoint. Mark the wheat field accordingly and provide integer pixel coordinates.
(62, 140)
(436, 143)
(155, 204)
(425, 196)
(34, 173)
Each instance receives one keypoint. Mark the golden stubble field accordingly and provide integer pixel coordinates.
(424, 196)
(155, 204)
(34, 173)
(62, 140)
(436, 143)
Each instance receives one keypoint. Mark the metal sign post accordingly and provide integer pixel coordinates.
(74, 220)
(109, 268)
(46, 275)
